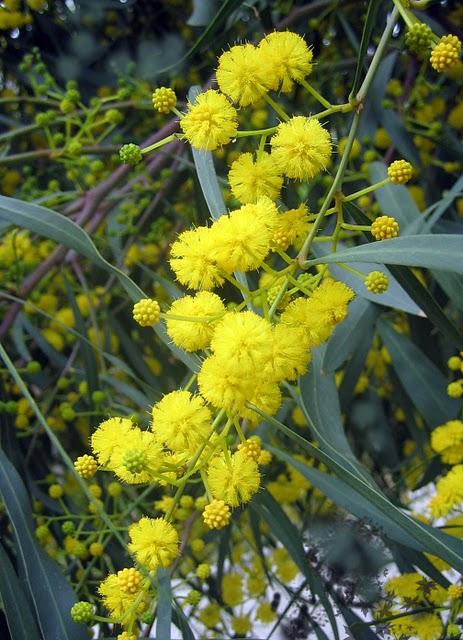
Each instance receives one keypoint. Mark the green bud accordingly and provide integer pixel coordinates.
(82, 612)
(33, 367)
(130, 154)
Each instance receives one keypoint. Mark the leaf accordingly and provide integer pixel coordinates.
(51, 594)
(203, 12)
(425, 223)
(283, 529)
(441, 251)
(181, 622)
(164, 607)
(434, 541)
(393, 199)
(370, 22)
(424, 383)
(399, 135)
(320, 404)
(19, 618)
(57, 227)
(452, 284)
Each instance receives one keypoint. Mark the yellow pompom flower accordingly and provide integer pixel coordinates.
(250, 179)
(455, 591)
(121, 604)
(447, 441)
(384, 228)
(86, 466)
(216, 514)
(265, 395)
(376, 282)
(153, 542)
(241, 625)
(301, 148)
(210, 122)
(291, 354)
(146, 312)
(240, 74)
(291, 226)
(400, 172)
(234, 480)
(164, 99)
(449, 492)
(232, 589)
(265, 613)
(110, 435)
(197, 333)
(251, 447)
(210, 615)
(221, 384)
(181, 421)
(286, 58)
(446, 53)
(191, 259)
(244, 236)
(137, 457)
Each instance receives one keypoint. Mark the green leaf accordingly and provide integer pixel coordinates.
(164, 607)
(434, 541)
(401, 139)
(57, 227)
(181, 622)
(452, 284)
(425, 222)
(320, 404)
(424, 383)
(283, 529)
(19, 617)
(349, 334)
(441, 251)
(393, 199)
(368, 27)
(51, 594)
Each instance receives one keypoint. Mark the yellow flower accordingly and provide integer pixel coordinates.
(210, 615)
(446, 53)
(291, 226)
(301, 148)
(287, 59)
(291, 354)
(216, 514)
(136, 457)
(240, 74)
(153, 542)
(211, 122)
(251, 179)
(244, 236)
(376, 282)
(449, 492)
(447, 440)
(234, 479)
(195, 334)
(384, 228)
(119, 601)
(181, 421)
(110, 434)
(400, 171)
(265, 613)
(232, 589)
(191, 259)
(427, 626)
(146, 312)
(241, 625)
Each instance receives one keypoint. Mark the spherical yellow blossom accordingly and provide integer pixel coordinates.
(241, 625)
(384, 228)
(427, 626)
(265, 613)
(266, 396)
(118, 602)
(250, 179)
(244, 236)
(210, 122)
(191, 259)
(455, 389)
(449, 492)
(454, 363)
(376, 282)
(216, 514)
(400, 172)
(286, 568)
(125, 635)
(251, 447)
(210, 615)
(291, 226)
(129, 579)
(137, 457)
(446, 53)
(86, 466)
(146, 312)
(455, 117)
(153, 542)
(245, 340)
(291, 354)
(232, 589)
(286, 58)
(164, 99)
(195, 334)
(301, 148)
(109, 435)
(222, 385)
(181, 421)
(234, 479)
(447, 440)
(414, 586)
(241, 74)
(96, 549)
(455, 591)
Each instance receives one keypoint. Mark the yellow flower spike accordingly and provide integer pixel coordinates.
(384, 228)
(146, 312)
(400, 172)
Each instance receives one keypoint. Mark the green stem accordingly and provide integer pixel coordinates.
(313, 92)
(255, 132)
(276, 107)
(160, 143)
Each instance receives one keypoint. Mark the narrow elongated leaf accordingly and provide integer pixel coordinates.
(51, 594)
(393, 199)
(370, 22)
(433, 540)
(164, 608)
(19, 617)
(399, 135)
(57, 227)
(452, 284)
(441, 251)
(424, 383)
(320, 403)
(181, 622)
(425, 223)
